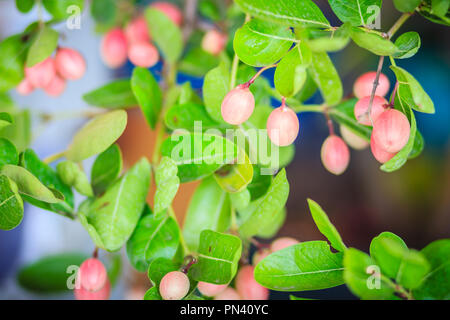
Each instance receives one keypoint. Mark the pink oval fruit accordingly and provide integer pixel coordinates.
(247, 287)
(352, 139)
(69, 64)
(114, 48)
(238, 105)
(41, 74)
(171, 11)
(228, 294)
(24, 88)
(214, 42)
(364, 84)
(282, 243)
(379, 154)
(361, 107)
(137, 31)
(56, 87)
(335, 155)
(391, 131)
(259, 255)
(92, 274)
(102, 294)
(174, 286)
(143, 54)
(282, 126)
(210, 289)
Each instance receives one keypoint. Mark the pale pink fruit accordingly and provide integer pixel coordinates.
(24, 88)
(352, 139)
(228, 294)
(143, 54)
(282, 243)
(137, 31)
(214, 41)
(210, 289)
(361, 107)
(282, 126)
(364, 84)
(56, 87)
(174, 286)
(41, 74)
(379, 154)
(114, 48)
(238, 105)
(69, 64)
(171, 11)
(92, 274)
(335, 155)
(102, 294)
(259, 255)
(247, 287)
(391, 131)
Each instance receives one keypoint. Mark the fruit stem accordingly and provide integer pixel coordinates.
(250, 82)
(394, 92)
(329, 122)
(95, 253)
(405, 16)
(190, 261)
(374, 88)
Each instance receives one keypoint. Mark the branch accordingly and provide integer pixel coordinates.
(190, 10)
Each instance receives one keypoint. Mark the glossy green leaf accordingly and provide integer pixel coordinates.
(72, 175)
(112, 218)
(152, 294)
(8, 152)
(418, 146)
(304, 266)
(104, 12)
(205, 214)
(373, 42)
(114, 95)
(319, 40)
(167, 183)
(218, 257)
(436, 11)
(325, 226)
(12, 57)
(356, 12)
(389, 265)
(159, 267)
(344, 114)
(406, 5)
(269, 230)
(290, 74)
(215, 86)
(197, 62)
(188, 94)
(43, 46)
(260, 43)
(308, 90)
(240, 200)
(235, 177)
(260, 183)
(97, 135)
(5, 119)
(165, 33)
(440, 7)
(11, 204)
(185, 116)
(106, 168)
(408, 44)
(154, 237)
(24, 6)
(147, 93)
(62, 9)
(19, 132)
(295, 13)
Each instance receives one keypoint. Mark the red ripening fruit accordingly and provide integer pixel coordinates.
(335, 154)
(174, 286)
(282, 126)
(391, 131)
(238, 105)
(247, 287)
(214, 42)
(143, 54)
(259, 255)
(56, 87)
(282, 243)
(92, 274)
(228, 294)
(69, 64)
(210, 289)
(102, 294)
(352, 139)
(364, 84)
(41, 74)
(114, 48)
(171, 11)
(137, 31)
(379, 154)
(24, 88)
(361, 107)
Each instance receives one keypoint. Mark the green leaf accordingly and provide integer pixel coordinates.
(270, 230)
(50, 274)
(361, 277)
(258, 88)
(326, 40)
(8, 153)
(114, 95)
(304, 266)
(154, 237)
(205, 214)
(104, 12)
(167, 183)
(198, 155)
(290, 74)
(260, 183)
(218, 257)
(24, 6)
(373, 42)
(11, 204)
(411, 92)
(97, 135)
(158, 268)
(260, 43)
(436, 283)
(12, 57)
(197, 62)
(440, 7)
(240, 200)
(235, 177)
(344, 114)
(326, 77)
(5, 119)
(61, 9)
(419, 145)
(389, 265)
(295, 13)
(165, 34)
(185, 116)
(436, 11)
(72, 175)
(356, 12)
(263, 211)
(215, 86)
(152, 294)
(408, 44)
(325, 226)
(291, 297)
(188, 94)
(406, 5)
(29, 185)
(106, 169)
(43, 46)
(19, 132)
(147, 93)
(111, 218)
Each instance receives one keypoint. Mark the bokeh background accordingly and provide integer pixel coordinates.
(413, 202)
